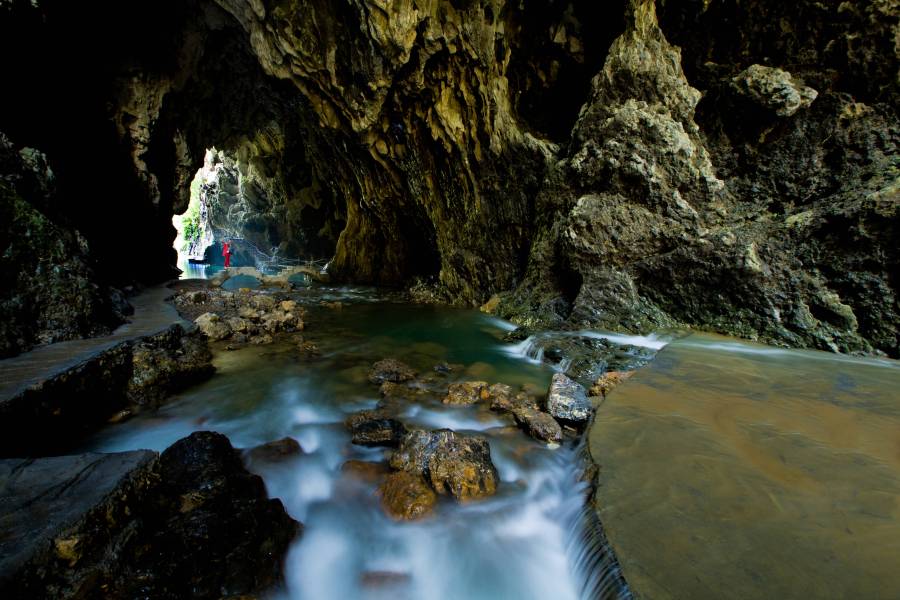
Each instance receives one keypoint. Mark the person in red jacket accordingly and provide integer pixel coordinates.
(226, 252)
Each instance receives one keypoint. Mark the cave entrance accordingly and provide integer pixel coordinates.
(195, 241)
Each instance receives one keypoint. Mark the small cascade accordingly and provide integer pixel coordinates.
(533, 539)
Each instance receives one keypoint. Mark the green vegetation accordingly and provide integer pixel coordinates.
(191, 230)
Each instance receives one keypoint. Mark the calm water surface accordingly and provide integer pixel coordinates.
(734, 470)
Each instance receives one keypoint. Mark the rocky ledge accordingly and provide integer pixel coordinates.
(51, 415)
(191, 522)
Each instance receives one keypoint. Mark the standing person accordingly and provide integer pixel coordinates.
(226, 252)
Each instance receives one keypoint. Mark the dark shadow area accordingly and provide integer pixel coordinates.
(557, 48)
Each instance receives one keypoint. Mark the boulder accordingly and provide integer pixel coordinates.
(213, 326)
(189, 523)
(375, 428)
(567, 400)
(539, 425)
(406, 496)
(453, 464)
(467, 392)
(503, 400)
(391, 370)
(279, 320)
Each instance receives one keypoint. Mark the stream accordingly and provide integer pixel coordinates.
(727, 469)
(531, 540)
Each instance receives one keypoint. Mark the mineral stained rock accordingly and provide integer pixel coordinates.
(406, 496)
(452, 463)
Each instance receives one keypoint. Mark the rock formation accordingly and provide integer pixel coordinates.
(746, 183)
(51, 416)
(191, 522)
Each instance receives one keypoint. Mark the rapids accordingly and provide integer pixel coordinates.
(534, 539)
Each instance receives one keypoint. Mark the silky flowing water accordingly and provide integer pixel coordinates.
(734, 470)
(531, 540)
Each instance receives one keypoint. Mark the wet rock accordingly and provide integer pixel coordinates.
(273, 452)
(189, 523)
(369, 472)
(608, 381)
(406, 496)
(773, 89)
(391, 370)
(166, 363)
(375, 428)
(503, 399)
(539, 425)
(279, 320)
(213, 326)
(396, 394)
(566, 400)
(452, 463)
(308, 349)
(467, 393)
(221, 534)
(261, 340)
(249, 313)
(262, 302)
(240, 325)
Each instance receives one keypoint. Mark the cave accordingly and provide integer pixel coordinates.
(344, 298)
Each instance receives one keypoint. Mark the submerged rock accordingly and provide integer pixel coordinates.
(467, 392)
(567, 400)
(406, 496)
(391, 370)
(375, 428)
(189, 523)
(608, 381)
(452, 463)
(370, 472)
(273, 452)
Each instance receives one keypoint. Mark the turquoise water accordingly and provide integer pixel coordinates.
(525, 542)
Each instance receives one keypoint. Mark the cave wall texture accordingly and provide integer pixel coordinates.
(731, 165)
